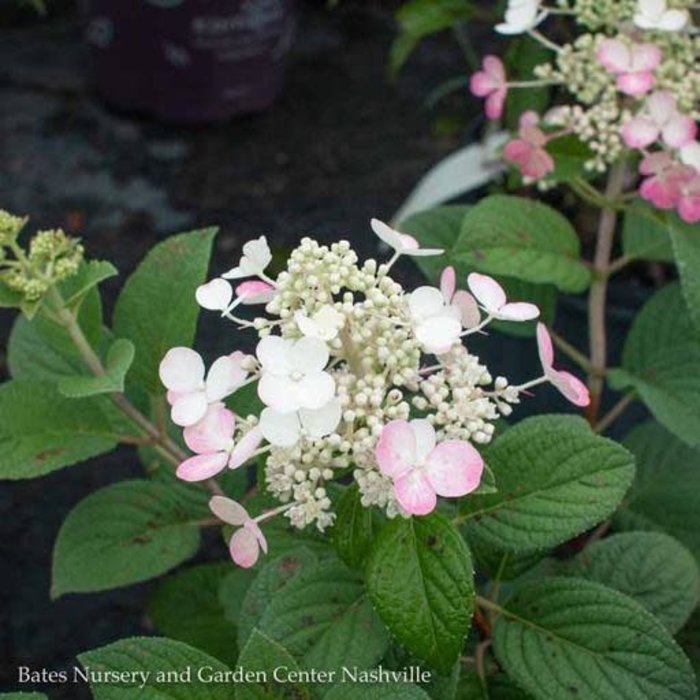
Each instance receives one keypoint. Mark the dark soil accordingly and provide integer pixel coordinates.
(341, 145)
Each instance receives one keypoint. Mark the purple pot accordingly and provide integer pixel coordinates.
(189, 61)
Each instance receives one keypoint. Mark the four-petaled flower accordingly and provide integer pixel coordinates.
(528, 151)
(654, 14)
(571, 387)
(248, 540)
(660, 119)
(402, 243)
(664, 178)
(255, 259)
(490, 82)
(492, 298)
(634, 64)
(286, 429)
(521, 16)
(212, 441)
(293, 375)
(421, 470)
(189, 394)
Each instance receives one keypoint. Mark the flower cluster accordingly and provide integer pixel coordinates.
(340, 369)
(628, 80)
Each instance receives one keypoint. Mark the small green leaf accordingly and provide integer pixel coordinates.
(570, 156)
(661, 361)
(168, 670)
(517, 237)
(122, 534)
(653, 568)
(567, 637)
(665, 495)
(555, 478)
(156, 309)
(186, 607)
(119, 358)
(421, 580)
(645, 234)
(686, 246)
(42, 431)
(354, 529)
(89, 275)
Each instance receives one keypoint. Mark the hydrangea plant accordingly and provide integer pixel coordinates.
(396, 528)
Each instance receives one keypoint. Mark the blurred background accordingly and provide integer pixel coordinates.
(293, 124)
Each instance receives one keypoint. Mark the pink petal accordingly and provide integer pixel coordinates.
(538, 165)
(662, 193)
(454, 468)
(213, 433)
(415, 494)
(571, 387)
(481, 84)
(662, 106)
(544, 347)
(487, 291)
(189, 409)
(518, 311)
(228, 510)
(655, 163)
(636, 84)
(689, 203)
(448, 283)
(468, 309)
(614, 55)
(646, 57)
(255, 529)
(182, 369)
(255, 292)
(493, 66)
(245, 448)
(529, 119)
(408, 242)
(639, 132)
(425, 438)
(495, 103)
(202, 467)
(679, 131)
(517, 151)
(396, 448)
(244, 548)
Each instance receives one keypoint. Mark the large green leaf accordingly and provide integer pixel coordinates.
(517, 237)
(323, 617)
(156, 309)
(661, 361)
(366, 691)
(665, 495)
(128, 532)
(645, 234)
(42, 431)
(568, 637)
(163, 669)
(355, 528)
(186, 607)
(421, 580)
(653, 568)
(689, 639)
(555, 478)
(686, 246)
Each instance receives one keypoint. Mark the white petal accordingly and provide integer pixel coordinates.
(189, 409)
(308, 355)
(518, 311)
(224, 377)
(245, 448)
(323, 421)
(215, 295)
(387, 234)
(182, 369)
(425, 438)
(674, 20)
(487, 291)
(280, 429)
(690, 155)
(437, 335)
(280, 393)
(315, 390)
(228, 510)
(235, 273)
(425, 302)
(258, 253)
(273, 353)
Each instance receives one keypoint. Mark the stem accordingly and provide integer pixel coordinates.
(599, 291)
(614, 413)
(163, 442)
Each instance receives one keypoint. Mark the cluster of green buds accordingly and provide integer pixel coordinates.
(52, 256)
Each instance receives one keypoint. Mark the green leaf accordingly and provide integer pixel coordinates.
(497, 563)
(354, 529)
(265, 655)
(523, 55)
(186, 607)
(555, 478)
(156, 309)
(42, 431)
(122, 534)
(517, 237)
(653, 568)
(665, 495)
(119, 358)
(689, 639)
(9, 298)
(686, 246)
(322, 616)
(421, 18)
(421, 580)
(570, 156)
(645, 234)
(155, 658)
(661, 361)
(567, 637)
(441, 227)
(366, 691)
(89, 275)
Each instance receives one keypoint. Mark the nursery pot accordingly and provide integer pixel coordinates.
(189, 61)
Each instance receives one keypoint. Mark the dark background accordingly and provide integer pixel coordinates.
(342, 144)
